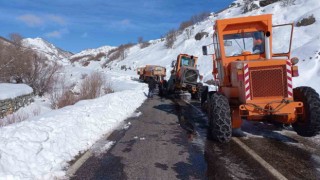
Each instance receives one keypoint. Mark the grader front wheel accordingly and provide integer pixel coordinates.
(220, 118)
(308, 124)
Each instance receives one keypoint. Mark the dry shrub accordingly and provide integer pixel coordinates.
(144, 45)
(62, 95)
(119, 52)
(285, 3)
(68, 98)
(249, 5)
(140, 40)
(43, 76)
(91, 87)
(114, 56)
(78, 58)
(199, 17)
(85, 63)
(99, 56)
(185, 25)
(267, 2)
(171, 37)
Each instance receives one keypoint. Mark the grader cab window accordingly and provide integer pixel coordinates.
(186, 61)
(236, 44)
(281, 40)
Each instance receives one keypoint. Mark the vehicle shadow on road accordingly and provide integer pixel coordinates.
(268, 131)
(166, 108)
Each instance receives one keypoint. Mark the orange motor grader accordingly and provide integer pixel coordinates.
(184, 76)
(253, 71)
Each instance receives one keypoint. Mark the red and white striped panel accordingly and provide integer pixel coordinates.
(247, 81)
(289, 78)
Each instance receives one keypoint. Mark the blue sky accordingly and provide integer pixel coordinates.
(75, 25)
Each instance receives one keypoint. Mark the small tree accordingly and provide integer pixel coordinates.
(19, 64)
(185, 25)
(16, 38)
(144, 45)
(188, 33)
(42, 75)
(92, 86)
(171, 37)
(285, 3)
(140, 40)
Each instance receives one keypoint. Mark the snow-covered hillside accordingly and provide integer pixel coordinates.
(44, 47)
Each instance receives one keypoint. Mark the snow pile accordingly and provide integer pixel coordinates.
(40, 148)
(10, 91)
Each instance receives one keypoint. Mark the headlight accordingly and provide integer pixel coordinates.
(294, 60)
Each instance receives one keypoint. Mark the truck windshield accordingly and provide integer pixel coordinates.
(236, 44)
(186, 61)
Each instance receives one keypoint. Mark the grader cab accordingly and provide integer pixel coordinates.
(253, 69)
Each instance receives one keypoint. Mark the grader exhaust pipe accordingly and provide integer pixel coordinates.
(267, 45)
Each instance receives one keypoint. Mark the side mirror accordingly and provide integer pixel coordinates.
(227, 43)
(173, 63)
(204, 50)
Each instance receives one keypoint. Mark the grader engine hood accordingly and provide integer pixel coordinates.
(188, 75)
(262, 79)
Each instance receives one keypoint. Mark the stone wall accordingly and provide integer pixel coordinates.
(8, 106)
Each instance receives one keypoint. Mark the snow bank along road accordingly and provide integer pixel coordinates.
(40, 148)
(169, 141)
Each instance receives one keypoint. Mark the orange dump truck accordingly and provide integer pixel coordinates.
(254, 70)
(152, 71)
(140, 72)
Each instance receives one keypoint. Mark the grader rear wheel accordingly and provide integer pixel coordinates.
(220, 118)
(308, 124)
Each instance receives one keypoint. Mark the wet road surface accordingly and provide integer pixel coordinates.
(169, 141)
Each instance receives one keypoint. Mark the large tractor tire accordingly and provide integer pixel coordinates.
(308, 124)
(219, 118)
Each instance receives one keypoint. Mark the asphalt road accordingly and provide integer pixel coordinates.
(169, 141)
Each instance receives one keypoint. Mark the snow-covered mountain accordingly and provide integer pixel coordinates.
(44, 47)
(86, 56)
(93, 52)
